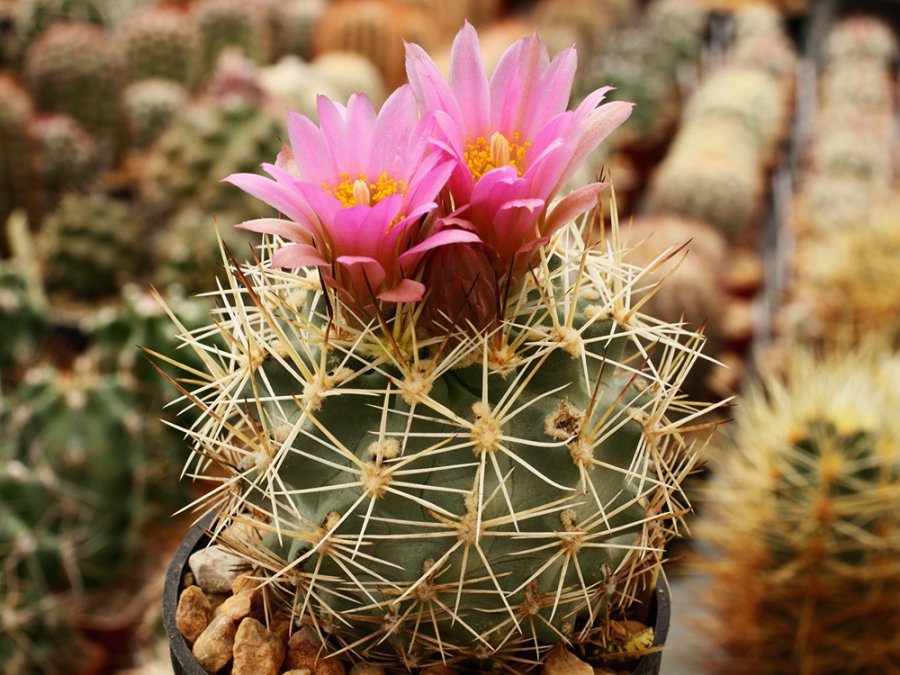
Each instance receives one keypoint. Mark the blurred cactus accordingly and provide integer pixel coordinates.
(88, 427)
(348, 73)
(150, 107)
(584, 23)
(74, 69)
(711, 174)
(857, 84)
(16, 150)
(366, 27)
(159, 42)
(22, 318)
(294, 25)
(67, 157)
(828, 203)
(188, 251)
(861, 38)
(33, 17)
(91, 245)
(243, 24)
(208, 141)
(802, 514)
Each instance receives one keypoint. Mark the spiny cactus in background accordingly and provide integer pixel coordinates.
(159, 42)
(33, 17)
(861, 38)
(294, 26)
(36, 636)
(771, 53)
(848, 276)
(75, 69)
(67, 157)
(679, 25)
(366, 27)
(712, 174)
(150, 108)
(91, 245)
(857, 85)
(188, 252)
(581, 22)
(802, 512)
(349, 73)
(16, 150)
(208, 141)
(23, 320)
(751, 97)
(242, 24)
(88, 427)
(828, 203)
(854, 152)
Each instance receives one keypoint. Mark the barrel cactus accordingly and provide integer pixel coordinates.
(233, 23)
(150, 107)
(444, 445)
(24, 320)
(16, 150)
(67, 157)
(159, 42)
(803, 513)
(33, 17)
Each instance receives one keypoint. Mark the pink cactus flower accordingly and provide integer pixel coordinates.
(357, 196)
(513, 141)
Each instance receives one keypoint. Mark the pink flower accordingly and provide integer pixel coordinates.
(357, 195)
(512, 139)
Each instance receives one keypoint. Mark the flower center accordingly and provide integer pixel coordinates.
(483, 154)
(360, 190)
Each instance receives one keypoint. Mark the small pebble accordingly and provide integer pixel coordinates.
(256, 650)
(241, 605)
(366, 669)
(562, 662)
(193, 613)
(215, 569)
(213, 649)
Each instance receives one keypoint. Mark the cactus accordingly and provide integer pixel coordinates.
(233, 23)
(16, 150)
(803, 514)
(87, 427)
(33, 17)
(23, 320)
(366, 27)
(711, 174)
(75, 69)
(349, 73)
(584, 23)
(91, 245)
(159, 42)
(150, 108)
(294, 25)
(858, 85)
(854, 152)
(828, 203)
(861, 38)
(67, 157)
(425, 500)
(751, 97)
(208, 141)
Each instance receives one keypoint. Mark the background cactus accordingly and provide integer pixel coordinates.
(486, 500)
(159, 42)
(23, 320)
(16, 151)
(67, 157)
(91, 245)
(803, 511)
(74, 69)
(150, 108)
(233, 23)
(33, 17)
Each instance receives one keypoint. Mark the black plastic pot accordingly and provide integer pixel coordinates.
(184, 663)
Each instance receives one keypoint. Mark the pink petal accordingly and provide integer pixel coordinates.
(274, 194)
(395, 124)
(550, 96)
(572, 206)
(334, 132)
(469, 82)
(406, 291)
(432, 90)
(366, 273)
(297, 255)
(442, 238)
(280, 227)
(360, 128)
(307, 143)
(518, 71)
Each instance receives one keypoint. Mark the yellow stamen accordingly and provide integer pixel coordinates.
(482, 155)
(360, 190)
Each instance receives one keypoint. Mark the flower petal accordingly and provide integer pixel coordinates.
(572, 206)
(406, 291)
(297, 255)
(274, 194)
(286, 229)
(469, 82)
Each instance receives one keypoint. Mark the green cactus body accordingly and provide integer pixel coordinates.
(150, 108)
(208, 141)
(87, 427)
(91, 245)
(366, 27)
(16, 149)
(23, 320)
(159, 43)
(235, 23)
(804, 511)
(74, 69)
(448, 500)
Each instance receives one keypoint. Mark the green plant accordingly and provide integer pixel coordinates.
(67, 157)
(23, 319)
(150, 108)
(235, 23)
(159, 42)
(802, 513)
(75, 69)
(33, 17)
(91, 245)
(492, 494)
(16, 149)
